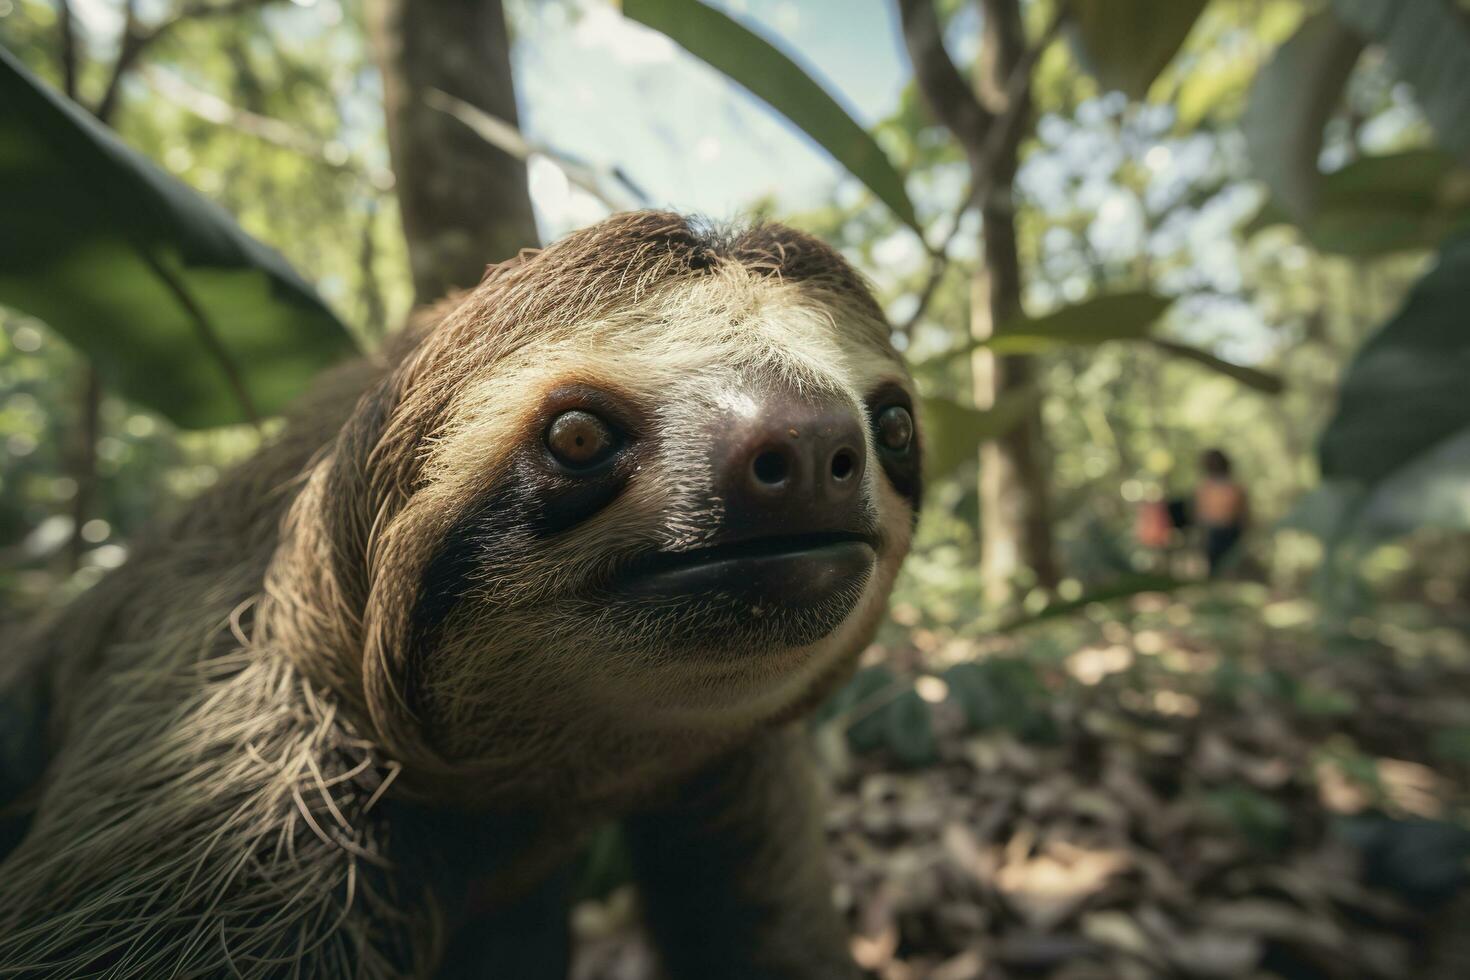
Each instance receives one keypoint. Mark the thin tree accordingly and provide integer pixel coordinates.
(989, 118)
(464, 202)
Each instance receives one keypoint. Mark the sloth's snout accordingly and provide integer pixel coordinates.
(793, 467)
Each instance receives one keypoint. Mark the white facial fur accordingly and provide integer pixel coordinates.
(696, 351)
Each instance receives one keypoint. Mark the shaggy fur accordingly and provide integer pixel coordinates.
(372, 688)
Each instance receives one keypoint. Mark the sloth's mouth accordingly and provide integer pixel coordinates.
(785, 570)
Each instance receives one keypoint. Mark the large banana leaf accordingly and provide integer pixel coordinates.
(1406, 391)
(755, 64)
(1125, 44)
(174, 304)
(1379, 205)
(1290, 103)
(1428, 42)
(1397, 454)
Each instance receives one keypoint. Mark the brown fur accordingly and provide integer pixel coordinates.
(268, 727)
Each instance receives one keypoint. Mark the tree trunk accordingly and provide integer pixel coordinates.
(1015, 511)
(464, 203)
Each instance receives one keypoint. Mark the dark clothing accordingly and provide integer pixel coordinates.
(1219, 542)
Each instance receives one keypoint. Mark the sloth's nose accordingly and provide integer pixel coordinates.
(794, 466)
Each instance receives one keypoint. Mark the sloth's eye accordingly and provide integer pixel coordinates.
(580, 440)
(895, 428)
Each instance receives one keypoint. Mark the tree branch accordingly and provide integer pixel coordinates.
(510, 140)
(945, 90)
(212, 108)
(938, 264)
(986, 134)
(137, 39)
(1005, 133)
(67, 26)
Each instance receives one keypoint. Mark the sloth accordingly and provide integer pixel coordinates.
(582, 545)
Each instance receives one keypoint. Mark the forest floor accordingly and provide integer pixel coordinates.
(1200, 784)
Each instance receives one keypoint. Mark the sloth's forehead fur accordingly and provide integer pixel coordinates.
(682, 322)
(699, 349)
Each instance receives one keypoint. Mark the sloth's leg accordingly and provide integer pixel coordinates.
(25, 709)
(733, 873)
(530, 940)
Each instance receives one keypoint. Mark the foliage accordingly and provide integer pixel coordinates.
(1290, 104)
(1125, 44)
(1428, 42)
(144, 274)
(777, 80)
(1400, 468)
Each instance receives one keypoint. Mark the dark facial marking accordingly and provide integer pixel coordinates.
(543, 492)
(890, 410)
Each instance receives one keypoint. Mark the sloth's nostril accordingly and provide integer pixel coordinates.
(842, 464)
(771, 468)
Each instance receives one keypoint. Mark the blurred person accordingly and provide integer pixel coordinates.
(1221, 509)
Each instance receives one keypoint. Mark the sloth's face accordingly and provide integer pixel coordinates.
(686, 516)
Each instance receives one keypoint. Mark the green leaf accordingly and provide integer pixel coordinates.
(771, 76)
(1122, 588)
(1262, 821)
(1428, 42)
(1405, 392)
(953, 432)
(1290, 103)
(863, 700)
(176, 307)
(1380, 205)
(1125, 44)
(604, 865)
(1000, 692)
(1112, 316)
(909, 730)
(1251, 377)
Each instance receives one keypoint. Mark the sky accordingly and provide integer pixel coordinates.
(613, 93)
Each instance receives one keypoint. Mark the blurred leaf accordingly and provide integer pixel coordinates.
(1452, 745)
(177, 307)
(1405, 392)
(604, 865)
(909, 730)
(862, 701)
(1125, 44)
(1379, 205)
(1425, 861)
(1111, 316)
(953, 432)
(774, 78)
(1202, 93)
(1251, 377)
(1001, 692)
(1262, 821)
(1290, 103)
(1123, 588)
(1433, 490)
(1428, 42)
